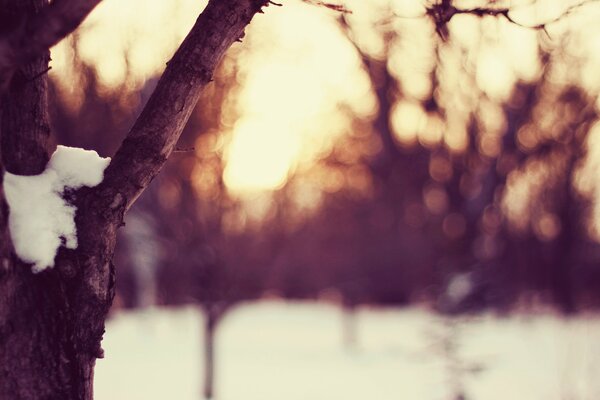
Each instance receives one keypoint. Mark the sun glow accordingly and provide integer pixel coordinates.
(122, 42)
(302, 82)
(292, 88)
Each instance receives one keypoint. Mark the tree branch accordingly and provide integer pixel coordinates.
(444, 11)
(36, 34)
(331, 6)
(155, 133)
(24, 123)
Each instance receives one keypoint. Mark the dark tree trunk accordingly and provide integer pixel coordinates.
(52, 322)
(43, 352)
(561, 263)
(48, 348)
(210, 325)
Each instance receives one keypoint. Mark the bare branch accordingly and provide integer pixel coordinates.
(331, 6)
(444, 11)
(155, 133)
(184, 150)
(38, 33)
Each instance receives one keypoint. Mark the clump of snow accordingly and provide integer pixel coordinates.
(40, 218)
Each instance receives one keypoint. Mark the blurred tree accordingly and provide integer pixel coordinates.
(451, 200)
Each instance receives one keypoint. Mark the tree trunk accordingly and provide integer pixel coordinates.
(210, 325)
(47, 347)
(52, 322)
(562, 260)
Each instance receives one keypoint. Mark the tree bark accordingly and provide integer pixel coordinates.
(30, 34)
(51, 323)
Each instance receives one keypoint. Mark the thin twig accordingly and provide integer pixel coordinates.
(335, 7)
(45, 71)
(184, 149)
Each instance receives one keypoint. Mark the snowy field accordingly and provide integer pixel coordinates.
(294, 351)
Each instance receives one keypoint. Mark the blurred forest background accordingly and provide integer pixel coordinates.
(383, 156)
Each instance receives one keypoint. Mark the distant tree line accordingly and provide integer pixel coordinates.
(397, 221)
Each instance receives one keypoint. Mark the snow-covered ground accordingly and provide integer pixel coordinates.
(294, 351)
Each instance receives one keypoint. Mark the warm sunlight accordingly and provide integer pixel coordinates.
(293, 88)
(297, 89)
(121, 40)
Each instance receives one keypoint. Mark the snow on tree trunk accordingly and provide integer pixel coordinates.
(40, 217)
